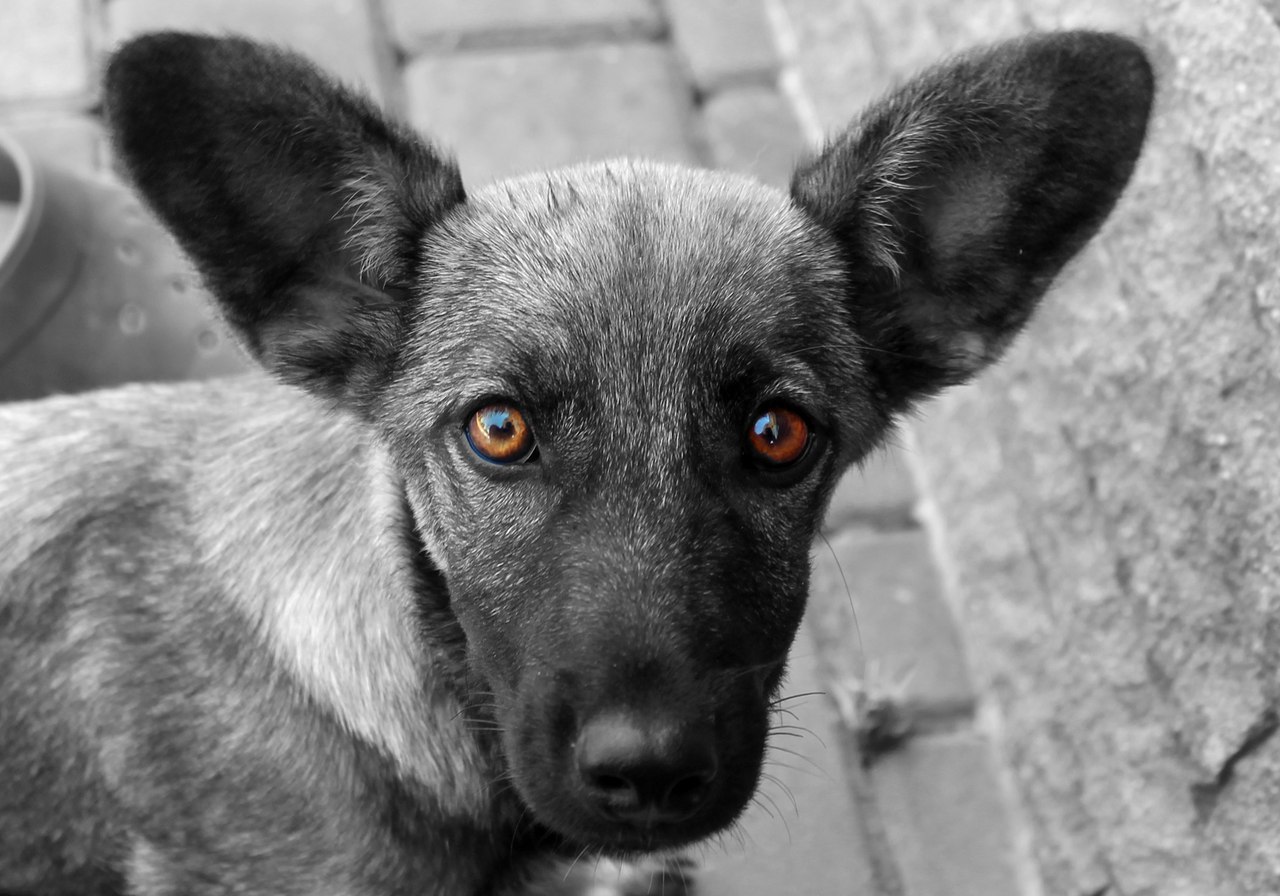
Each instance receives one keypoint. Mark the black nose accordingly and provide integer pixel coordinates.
(646, 771)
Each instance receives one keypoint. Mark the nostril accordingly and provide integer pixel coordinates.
(690, 792)
(618, 788)
(646, 771)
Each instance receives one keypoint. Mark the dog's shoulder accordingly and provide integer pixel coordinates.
(73, 461)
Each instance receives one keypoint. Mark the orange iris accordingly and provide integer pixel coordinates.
(778, 436)
(500, 434)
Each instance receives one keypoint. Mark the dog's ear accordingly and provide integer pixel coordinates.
(302, 206)
(956, 200)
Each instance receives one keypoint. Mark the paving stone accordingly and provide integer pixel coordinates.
(338, 34)
(724, 42)
(520, 110)
(881, 493)
(816, 846)
(838, 86)
(944, 811)
(448, 24)
(45, 52)
(753, 130)
(910, 648)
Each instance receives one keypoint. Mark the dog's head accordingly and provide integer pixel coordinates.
(618, 395)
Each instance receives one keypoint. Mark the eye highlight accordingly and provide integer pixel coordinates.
(500, 434)
(778, 437)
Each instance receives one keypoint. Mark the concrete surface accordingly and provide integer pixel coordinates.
(55, 39)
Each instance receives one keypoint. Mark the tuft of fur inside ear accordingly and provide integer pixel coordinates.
(300, 203)
(956, 200)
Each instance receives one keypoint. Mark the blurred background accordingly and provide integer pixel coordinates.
(1063, 576)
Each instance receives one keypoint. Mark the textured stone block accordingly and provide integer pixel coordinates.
(849, 52)
(45, 53)
(893, 607)
(754, 131)
(338, 34)
(725, 42)
(946, 818)
(521, 110)
(880, 493)
(1238, 824)
(447, 24)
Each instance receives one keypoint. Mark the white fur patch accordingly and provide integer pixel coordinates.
(599, 876)
(300, 529)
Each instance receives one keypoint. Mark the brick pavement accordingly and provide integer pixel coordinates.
(514, 85)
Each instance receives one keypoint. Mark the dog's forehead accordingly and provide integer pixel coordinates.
(624, 270)
(643, 237)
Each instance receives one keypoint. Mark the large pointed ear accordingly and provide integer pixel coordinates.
(956, 200)
(301, 205)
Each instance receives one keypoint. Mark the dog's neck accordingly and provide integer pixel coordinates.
(423, 580)
(337, 585)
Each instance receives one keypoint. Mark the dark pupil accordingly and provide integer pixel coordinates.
(498, 424)
(768, 428)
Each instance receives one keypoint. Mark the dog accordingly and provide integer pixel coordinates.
(496, 566)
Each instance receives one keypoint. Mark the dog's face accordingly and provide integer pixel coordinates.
(617, 396)
(619, 429)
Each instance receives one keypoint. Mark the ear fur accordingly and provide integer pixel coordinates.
(957, 199)
(300, 203)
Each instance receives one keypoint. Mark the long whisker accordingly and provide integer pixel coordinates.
(814, 770)
(857, 628)
(797, 731)
(777, 782)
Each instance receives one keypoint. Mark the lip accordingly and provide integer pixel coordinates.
(622, 839)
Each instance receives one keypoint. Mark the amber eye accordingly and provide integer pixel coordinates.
(778, 437)
(499, 434)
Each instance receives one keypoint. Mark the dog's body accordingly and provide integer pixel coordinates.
(507, 568)
(135, 705)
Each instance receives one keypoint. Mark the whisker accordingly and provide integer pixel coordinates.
(799, 731)
(786, 827)
(802, 694)
(798, 770)
(515, 829)
(776, 781)
(804, 758)
(738, 831)
(756, 800)
(574, 864)
(857, 628)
